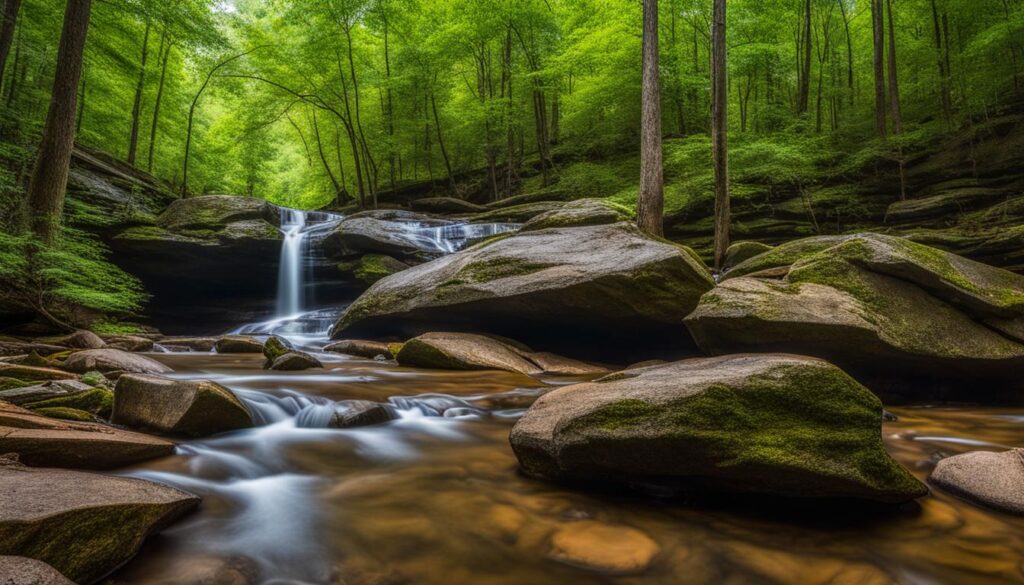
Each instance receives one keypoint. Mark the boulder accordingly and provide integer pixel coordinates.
(26, 571)
(360, 413)
(388, 232)
(742, 251)
(193, 408)
(95, 401)
(192, 343)
(80, 339)
(463, 351)
(773, 424)
(129, 343)
(44, 391)
(238, 344)
(995, 480)
(113, 360)
(12, 348)
(295, 361)
(518, 213)
(84, 525)
(45, 442)
(903, 317)
(624, 296)
(274, 347)
(32, 373)
(370, 268)
(617, 550)
(582, 212)
(360, 348)
(445, 205)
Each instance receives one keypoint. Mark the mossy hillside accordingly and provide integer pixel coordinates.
(801, 427)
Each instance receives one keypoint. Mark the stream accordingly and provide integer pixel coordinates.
(435, 497)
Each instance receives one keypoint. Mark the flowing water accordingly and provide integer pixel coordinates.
(434, 497)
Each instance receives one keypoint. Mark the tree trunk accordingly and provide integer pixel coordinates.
(651, 201)
(12, 87)
(133, 140)
(50, 175)
(81, 103)
(440, 142)
(11, 8)
(323, 158)
(878, 44)
(390, 109)
(849, 51)
(894, 97)
(720, 132)
(947, 109)
(805, 74)
(164, 55)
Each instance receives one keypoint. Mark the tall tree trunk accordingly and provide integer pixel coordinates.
(878, 44)
(720, 132)
(894, 98)
(440, 142)
(133, 140)
(50, 175)
(11, 8)
(506, 92)
(13, 85)
(390, 109)
(651, 201)
(555, 116)
(358, 118)
(947, 108)
(352, 139)
(81, 103)
(323, 158)
(849, 51)
(164, 55)
(805, 74)
(677, 81)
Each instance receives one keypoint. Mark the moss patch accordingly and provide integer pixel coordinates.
(65, 413)
(97, 401)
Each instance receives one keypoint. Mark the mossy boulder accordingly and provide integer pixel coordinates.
(46, 442)
(294, 361)
(94, 378)
(238, 344)
(445, 205)
(29, 373)
(773, 424)
(903, 317)
(193, 408)
(214, 212)
(582, 212)
(742, 251)
(113, 360)
(97, 401)
(84, 525)
(44, 391)
(577, 290)
(370, 268)
(12, 383)
(65, 413)
(274, 347)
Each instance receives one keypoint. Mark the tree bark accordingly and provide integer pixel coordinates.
(894, 98)
(651, 201)
(11, 8)
(720, 132)
(323, 158)
(164, 55)
(944, 96)
(133, 140)
(50, 174)
(878, 44)
(849, 51)
(440, 142)
(805, 75)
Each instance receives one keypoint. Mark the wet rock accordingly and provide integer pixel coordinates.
(12, 348)
(130, 343)
(620, 550)
(26, 571)
(44, 391)
(30, 373)
(445, 205)
(995, 480)
(113, 360)
(463, 351)
(896, 314)
(370, 268)
(774, 424)
(192, 343)
(382, 232)
(582, 212)
(625, 296)
(556, 365)
(181, 407)
(295, 361)
(84, 525)
(238, 344)
(46, 442)
(361, 413)
(360, 348)
(95, 401)
(275, 347)
(742, 251)
(81, 339)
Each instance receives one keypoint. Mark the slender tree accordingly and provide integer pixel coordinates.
(11, 8)
(164, 55)
(50, 174)
(651, 201)
(133, 139)
(878, 44)
(720, 131)
(805, 63)
(894, 98)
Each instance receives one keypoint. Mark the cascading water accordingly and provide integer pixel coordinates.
(291, 274)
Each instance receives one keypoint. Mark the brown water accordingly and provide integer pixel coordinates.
(433, 500)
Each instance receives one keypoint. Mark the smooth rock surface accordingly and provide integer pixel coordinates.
(995, 480)
(181, 407)
(238, 344)
(295, 361)
(773, 424)
(360, 347)
(84, 525)
(26, 571)
(618, 550)
(361, 413)
(113, 360)
(463, 351)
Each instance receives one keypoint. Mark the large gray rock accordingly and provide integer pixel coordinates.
(293, 361)
(179, 407)
(575, 290)
(360, 413)
(360, 348)
(580, 213)
(44, 391)
(902, 316)
(774, 424)
(467, 351)
(995, 480)
(81, 339)
(26, 571)
(45, 442)
(82, 524)
(238, 344)
(113, 360)
(388, 232)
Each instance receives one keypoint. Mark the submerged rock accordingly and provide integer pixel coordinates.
(238, 344)
(180, 407)
(588, 544)
(773, 424)
(46, 442)
(294, 361)
(82, 524)
(892, 312)
(360, 413)
(275, 347)
(26, 571)
(579, 290)
(113, 360)
(995, 480)
(360, 348)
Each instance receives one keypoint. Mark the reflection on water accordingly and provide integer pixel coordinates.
(434, 497)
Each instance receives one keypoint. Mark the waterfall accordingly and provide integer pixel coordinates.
(292, 271)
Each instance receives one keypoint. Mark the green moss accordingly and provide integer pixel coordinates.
(66, 413)
(495, 269)
(373, 267)
(97, 401)
(785, 255)
(394, 349)
(12, 383)
(94, 378)
(38, 361)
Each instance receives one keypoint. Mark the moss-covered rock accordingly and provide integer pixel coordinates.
(238, 344)
(180, 407)
(773, 424)
(582, 212)
(97, 401)
(742, 251)
(84, 525)
(12, 383)
(370, 268)
(65, 413)
(20, 372)
(274, 347)
(625, 295)
(95, 378)
(44, 391)
(886, 309)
